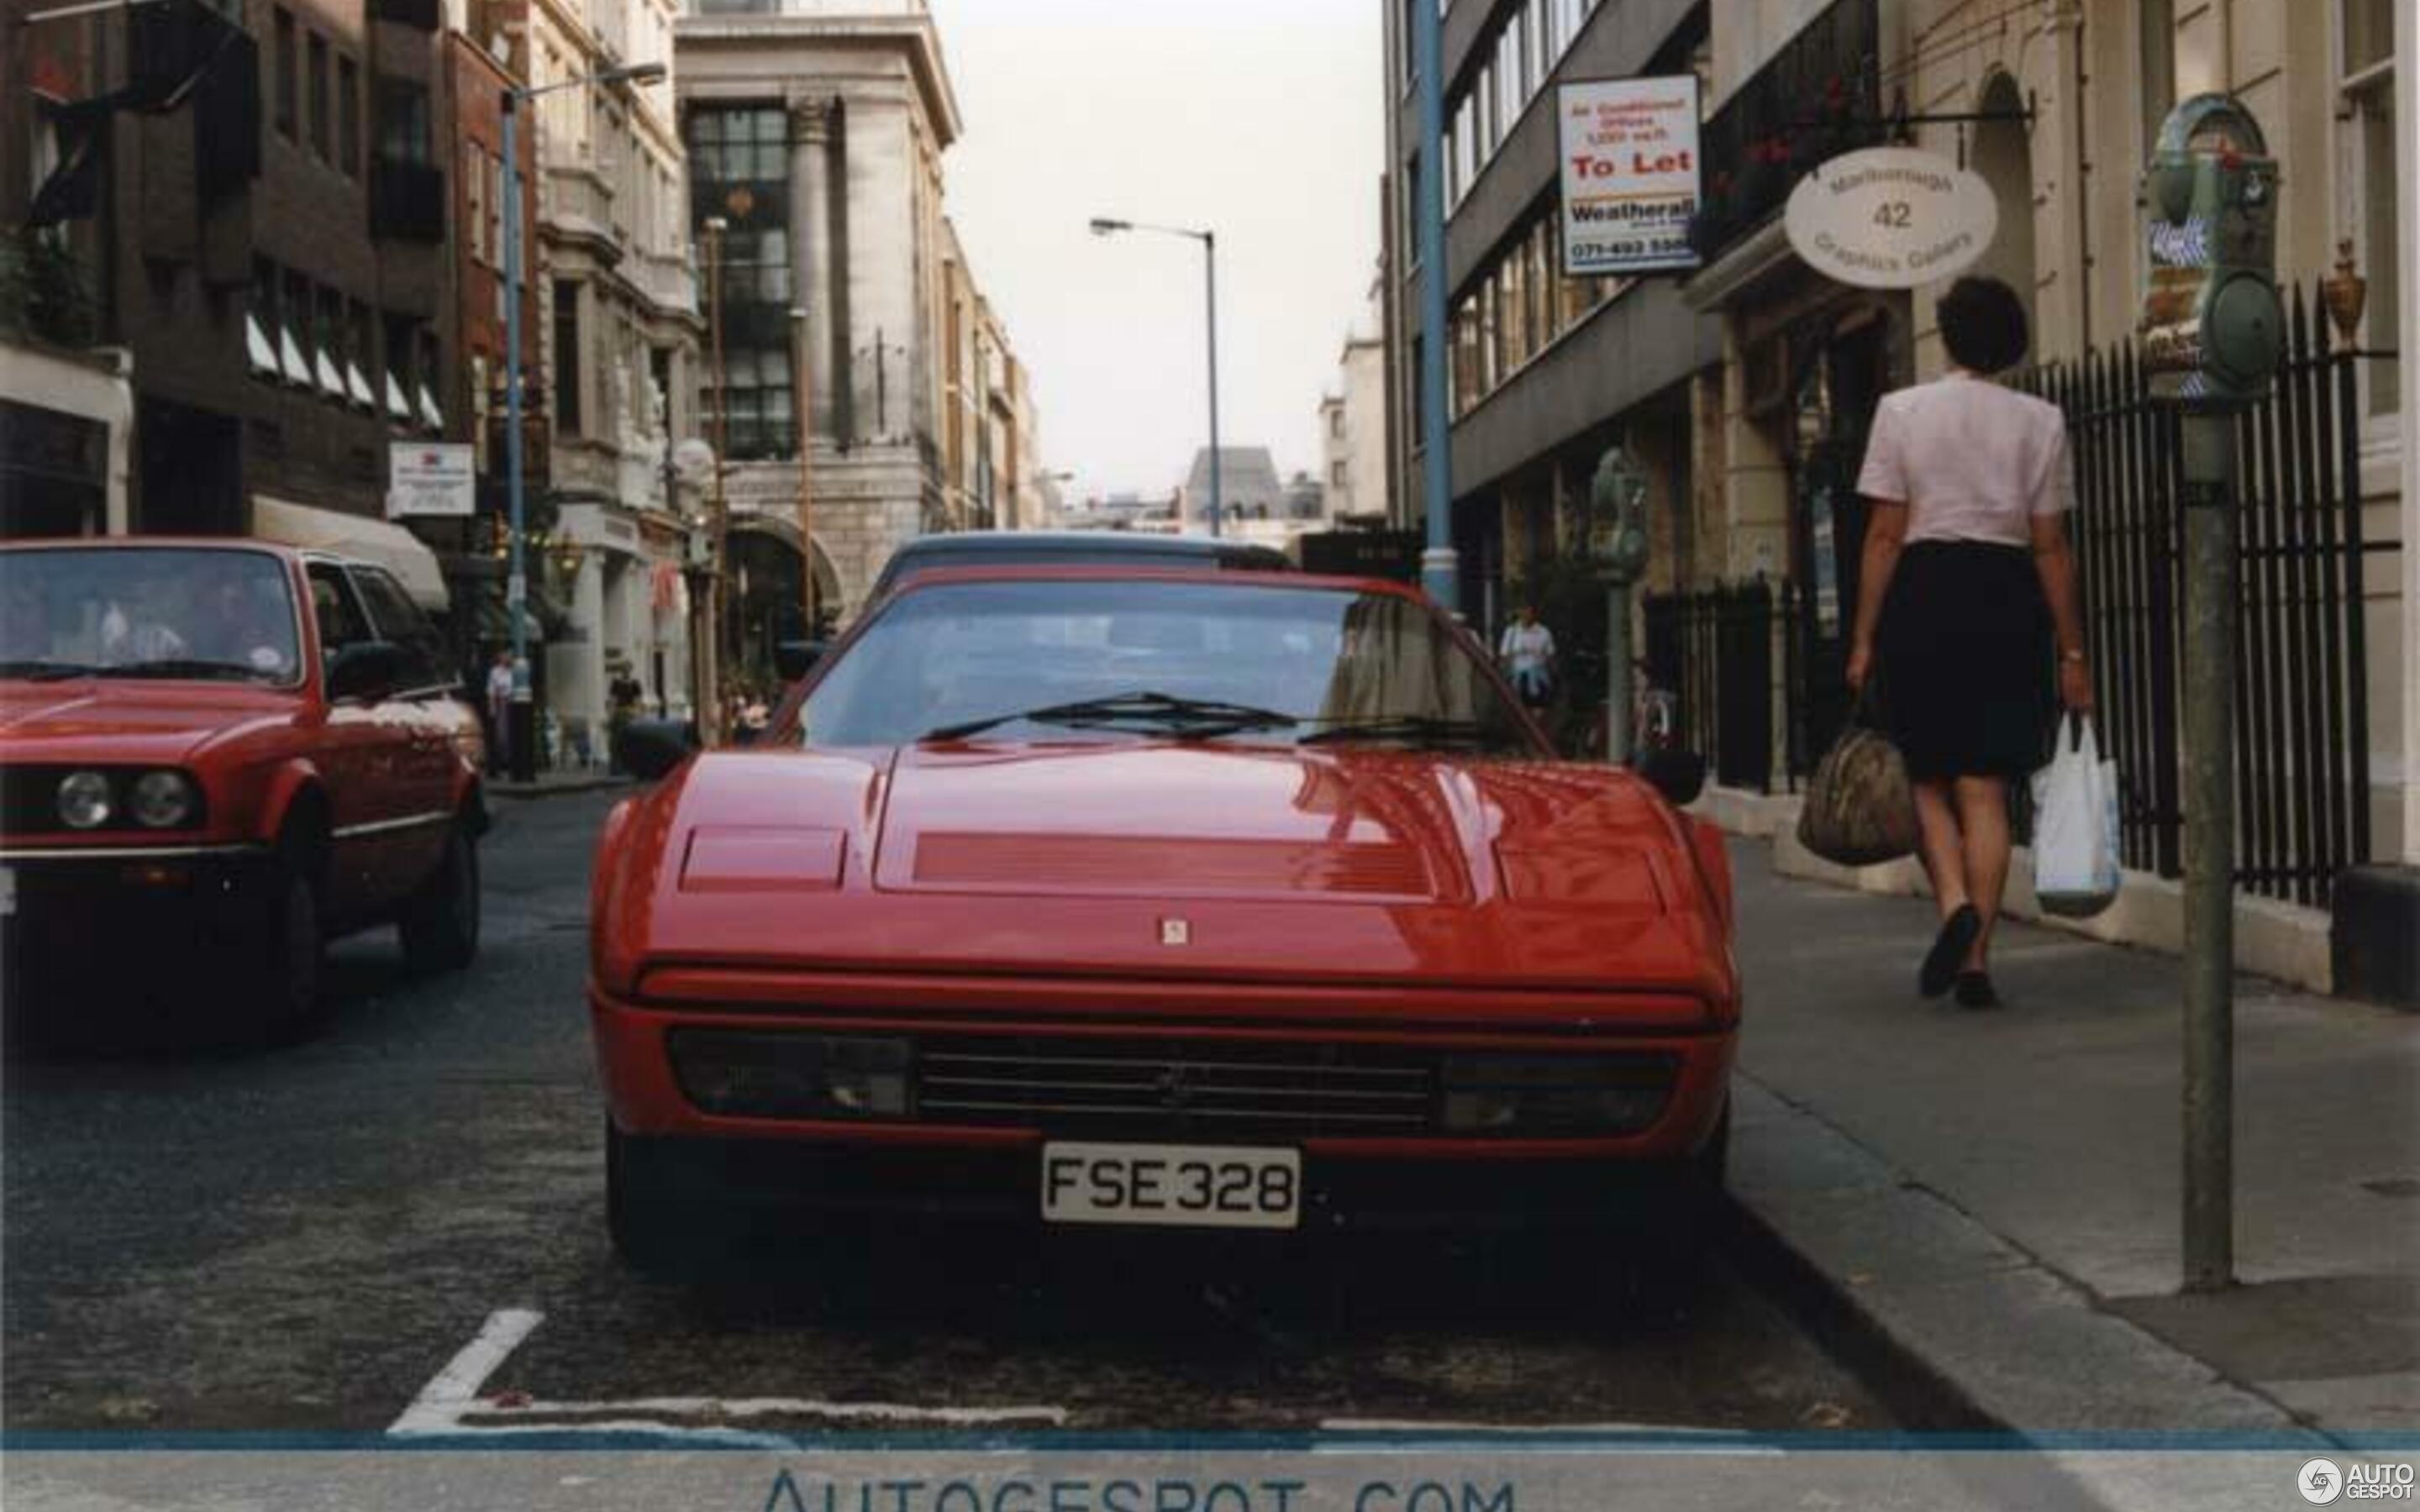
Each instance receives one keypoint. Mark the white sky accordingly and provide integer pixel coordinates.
(1259, 119)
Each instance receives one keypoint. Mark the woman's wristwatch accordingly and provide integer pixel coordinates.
(2073, 656)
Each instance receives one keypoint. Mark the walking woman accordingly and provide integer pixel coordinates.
(1967, 566)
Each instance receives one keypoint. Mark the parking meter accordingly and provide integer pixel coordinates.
(1617, 518)
(2212, 328)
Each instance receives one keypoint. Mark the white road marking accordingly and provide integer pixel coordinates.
(441, 1402)
(1715, 1440)
(717, 1407)
(451, 1404)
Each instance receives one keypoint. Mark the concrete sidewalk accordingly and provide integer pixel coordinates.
(1998, 1192)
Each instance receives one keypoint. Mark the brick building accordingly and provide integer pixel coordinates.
(256, 220)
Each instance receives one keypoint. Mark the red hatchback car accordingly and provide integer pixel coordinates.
(1118, 896)
(227, 750)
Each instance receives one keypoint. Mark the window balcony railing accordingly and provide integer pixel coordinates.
(1818, 96)
(832, 9)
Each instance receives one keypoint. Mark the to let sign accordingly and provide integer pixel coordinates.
(430, 478)
(1630, 174)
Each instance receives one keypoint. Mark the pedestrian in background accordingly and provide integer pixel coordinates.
(1966, 569)
(500, 708)
(1528, 652)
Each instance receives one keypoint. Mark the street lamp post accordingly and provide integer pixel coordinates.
(1103, 227)
(520, 736)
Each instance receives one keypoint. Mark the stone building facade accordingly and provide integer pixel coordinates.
(816, 129)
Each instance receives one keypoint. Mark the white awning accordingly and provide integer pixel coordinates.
(361, 536)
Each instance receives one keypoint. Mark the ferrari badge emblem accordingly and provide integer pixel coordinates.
(1175, 932)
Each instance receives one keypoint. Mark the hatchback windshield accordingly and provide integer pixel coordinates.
(166, 613)
(1109, 659)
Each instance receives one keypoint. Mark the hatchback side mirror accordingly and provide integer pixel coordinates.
(648, 749)
(1679, 775)
(366, 669)
(794, 659)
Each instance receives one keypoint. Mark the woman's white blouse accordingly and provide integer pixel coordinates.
(1972, 460)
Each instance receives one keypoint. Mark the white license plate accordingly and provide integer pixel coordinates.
(1191, 1186)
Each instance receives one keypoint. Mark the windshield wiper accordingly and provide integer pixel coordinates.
(40, 670)
(179, 667)
(1423, 727)
(1186, 718)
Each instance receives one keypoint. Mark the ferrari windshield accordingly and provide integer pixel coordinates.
(177, 612)
(1111, 660)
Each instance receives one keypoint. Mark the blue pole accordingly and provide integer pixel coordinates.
(1210, 278)
(1439, 572)
(520, 743)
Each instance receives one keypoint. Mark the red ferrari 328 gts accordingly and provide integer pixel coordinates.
(1110, 896)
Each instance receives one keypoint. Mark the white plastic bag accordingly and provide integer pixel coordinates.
(2075, 825)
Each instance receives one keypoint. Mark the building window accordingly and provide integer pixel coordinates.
(294, 349)
(475, 191)
(2376, 178)
(1336, 475)
(322, 140)
(260, 326)
(349, 117)
(739, 170)
(360, 360)
(567, 358)
(328, 341)
(288, 76)
(403, 121)
(398, 369)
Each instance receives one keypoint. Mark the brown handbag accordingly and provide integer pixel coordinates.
(1861, 808)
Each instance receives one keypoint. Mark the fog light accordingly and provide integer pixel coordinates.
(84, 800)
(1554, 1094)
(744, 1074)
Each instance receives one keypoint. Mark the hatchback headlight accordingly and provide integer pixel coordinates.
(86, 801)
(162, 800)
(1541, 1095)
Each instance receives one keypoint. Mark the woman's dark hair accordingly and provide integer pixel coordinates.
(1983, 325)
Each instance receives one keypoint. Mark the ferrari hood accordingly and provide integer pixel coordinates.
(1163, 860)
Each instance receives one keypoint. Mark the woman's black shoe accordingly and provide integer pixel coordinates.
(1948, 951)
(1975, 990)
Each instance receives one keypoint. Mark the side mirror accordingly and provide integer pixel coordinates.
(1679, 775)
(794, 659)
(365, 670)
(648, 749)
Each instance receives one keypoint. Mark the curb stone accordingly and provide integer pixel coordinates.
(2009, 1337)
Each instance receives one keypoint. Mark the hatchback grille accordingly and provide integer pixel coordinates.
(1204, 1089)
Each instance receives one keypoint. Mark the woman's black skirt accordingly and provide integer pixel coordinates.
(1966, 687)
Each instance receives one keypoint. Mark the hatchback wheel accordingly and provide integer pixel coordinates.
(288, 1004)
(441, 924)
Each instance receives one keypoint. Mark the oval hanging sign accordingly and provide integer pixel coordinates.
(1891, 218)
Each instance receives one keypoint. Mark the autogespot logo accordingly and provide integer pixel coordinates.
(2321, 1481)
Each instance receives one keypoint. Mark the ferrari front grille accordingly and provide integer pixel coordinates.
(1157, 1088)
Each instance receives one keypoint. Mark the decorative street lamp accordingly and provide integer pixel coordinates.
(1103, 227)
(520, 737)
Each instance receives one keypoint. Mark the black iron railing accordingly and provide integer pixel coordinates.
(1735, 658)
(2301, 736)
(1818, 96)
